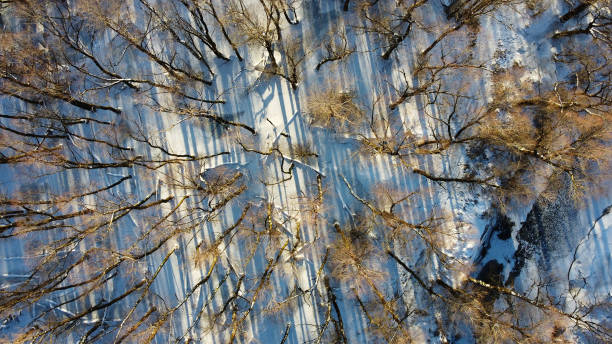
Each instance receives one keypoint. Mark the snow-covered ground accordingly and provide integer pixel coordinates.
(579, 250)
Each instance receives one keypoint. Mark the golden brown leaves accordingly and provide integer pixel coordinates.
(334, 108)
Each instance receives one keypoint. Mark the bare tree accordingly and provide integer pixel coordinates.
(593, 19)
(465, 12)
(102, 204)
(393, 22)
(334, 108)
(261, 25)
(336, 47)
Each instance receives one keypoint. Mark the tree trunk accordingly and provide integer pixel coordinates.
(440, 38)
(397, 40)
(453, 10)
(574, 12)
(346, 5)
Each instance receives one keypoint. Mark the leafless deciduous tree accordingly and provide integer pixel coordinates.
(393, 22)
(261, 24)
(592, 17)
(336, 46)
(99, 207)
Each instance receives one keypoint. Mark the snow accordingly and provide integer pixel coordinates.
(272, 108)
